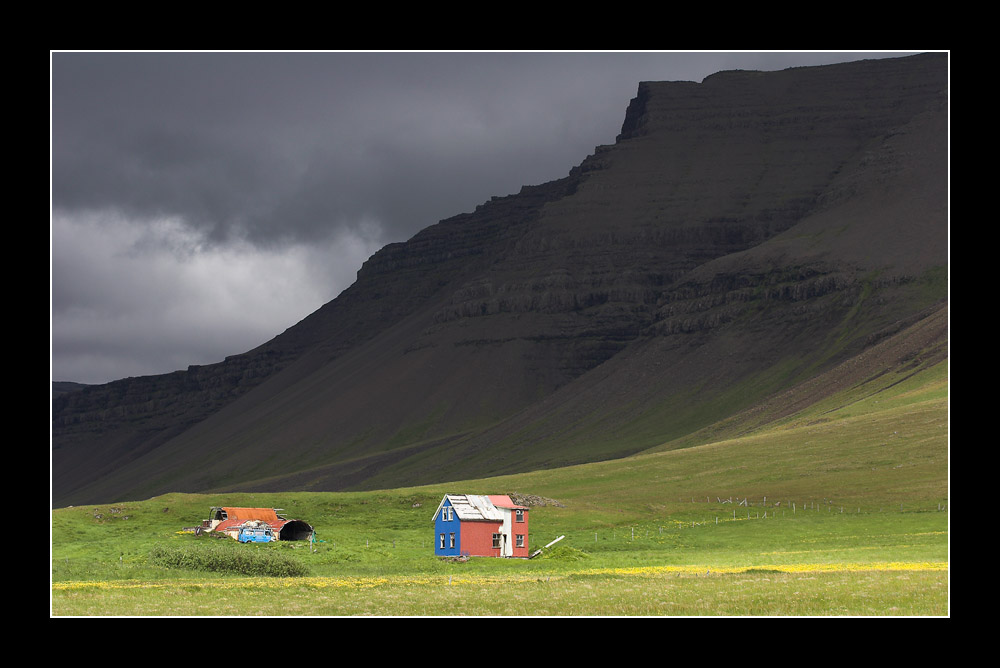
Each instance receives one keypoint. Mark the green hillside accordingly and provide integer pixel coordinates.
(839, 508)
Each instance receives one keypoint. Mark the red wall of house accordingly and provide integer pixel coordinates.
(516, 528)
(477, 538)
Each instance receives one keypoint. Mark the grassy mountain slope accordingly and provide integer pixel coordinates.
(742, 238)
(833, 510)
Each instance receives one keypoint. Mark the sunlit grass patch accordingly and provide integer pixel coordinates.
(675, 592)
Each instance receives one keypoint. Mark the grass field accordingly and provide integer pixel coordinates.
(843, 511)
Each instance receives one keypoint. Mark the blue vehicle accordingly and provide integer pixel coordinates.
(260, 533)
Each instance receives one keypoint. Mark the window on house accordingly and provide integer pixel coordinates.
(452, 545)
(496, 541)
(520, 540)
(451, 513)
(442, 541)
(519, 515)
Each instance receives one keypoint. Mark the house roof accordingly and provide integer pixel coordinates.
(268, 515)
(477, 507)
(504, 501)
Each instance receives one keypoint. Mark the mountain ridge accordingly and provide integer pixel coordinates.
(784, 217)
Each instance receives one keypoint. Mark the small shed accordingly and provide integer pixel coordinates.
(480, 526)
(229, 519)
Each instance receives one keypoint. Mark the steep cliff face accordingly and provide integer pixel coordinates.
(747, 232)
(657, 236)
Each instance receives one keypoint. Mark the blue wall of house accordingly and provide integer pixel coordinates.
(447, 528)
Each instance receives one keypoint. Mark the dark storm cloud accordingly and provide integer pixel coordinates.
(186, 186)
(290, 145)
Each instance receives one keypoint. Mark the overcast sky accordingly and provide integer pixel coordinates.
(202, 203)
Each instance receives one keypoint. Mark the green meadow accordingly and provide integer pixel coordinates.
(839, 510)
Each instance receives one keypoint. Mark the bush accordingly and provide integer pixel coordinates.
(228, 558)
(565, 553)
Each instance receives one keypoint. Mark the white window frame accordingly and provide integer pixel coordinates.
(519, 515)
(452, 540)
(520, 540)
(442, 541)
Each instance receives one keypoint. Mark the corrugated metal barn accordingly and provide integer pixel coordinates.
(229, 520)
(480, 526)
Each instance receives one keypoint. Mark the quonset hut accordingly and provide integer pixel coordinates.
(480, 526)
(230, 520)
